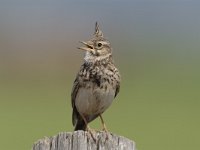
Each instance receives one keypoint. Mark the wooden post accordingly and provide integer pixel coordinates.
(81, 140)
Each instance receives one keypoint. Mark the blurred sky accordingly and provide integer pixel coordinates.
(156, 47)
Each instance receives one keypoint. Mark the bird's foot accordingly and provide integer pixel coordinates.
(92, 133)
(104, 128)
(106, 131)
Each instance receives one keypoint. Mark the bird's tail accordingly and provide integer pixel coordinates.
(78, 121)
(80, 125)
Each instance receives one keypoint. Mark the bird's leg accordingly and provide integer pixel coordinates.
(88, 128)
(104, 127)
(103, 124)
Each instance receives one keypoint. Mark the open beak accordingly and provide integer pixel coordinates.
(86, 47)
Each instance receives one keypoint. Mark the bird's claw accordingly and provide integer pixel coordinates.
(92, 133)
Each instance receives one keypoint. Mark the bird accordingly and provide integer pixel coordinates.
(96, 84)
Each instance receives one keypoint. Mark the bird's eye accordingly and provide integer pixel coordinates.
(99, 44)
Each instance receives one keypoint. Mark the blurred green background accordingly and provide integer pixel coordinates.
(156, 48)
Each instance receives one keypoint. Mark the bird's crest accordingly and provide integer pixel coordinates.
(98, 32)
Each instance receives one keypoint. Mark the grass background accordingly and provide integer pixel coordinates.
(156, 48)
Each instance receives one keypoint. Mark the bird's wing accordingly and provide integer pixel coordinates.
(117, 88)
(75, 90)
(118, 79)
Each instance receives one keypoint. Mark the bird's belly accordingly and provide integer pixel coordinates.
(93, 102)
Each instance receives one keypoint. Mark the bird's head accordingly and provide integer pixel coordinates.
(98, 47)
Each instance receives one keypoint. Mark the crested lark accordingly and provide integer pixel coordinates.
(96, 84)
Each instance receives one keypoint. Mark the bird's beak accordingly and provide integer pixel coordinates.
(87, 46)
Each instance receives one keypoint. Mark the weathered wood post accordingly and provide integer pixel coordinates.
(80, 140)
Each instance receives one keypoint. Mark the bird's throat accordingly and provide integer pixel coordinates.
(89, 58)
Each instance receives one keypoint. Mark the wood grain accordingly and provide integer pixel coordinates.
(82, 140)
